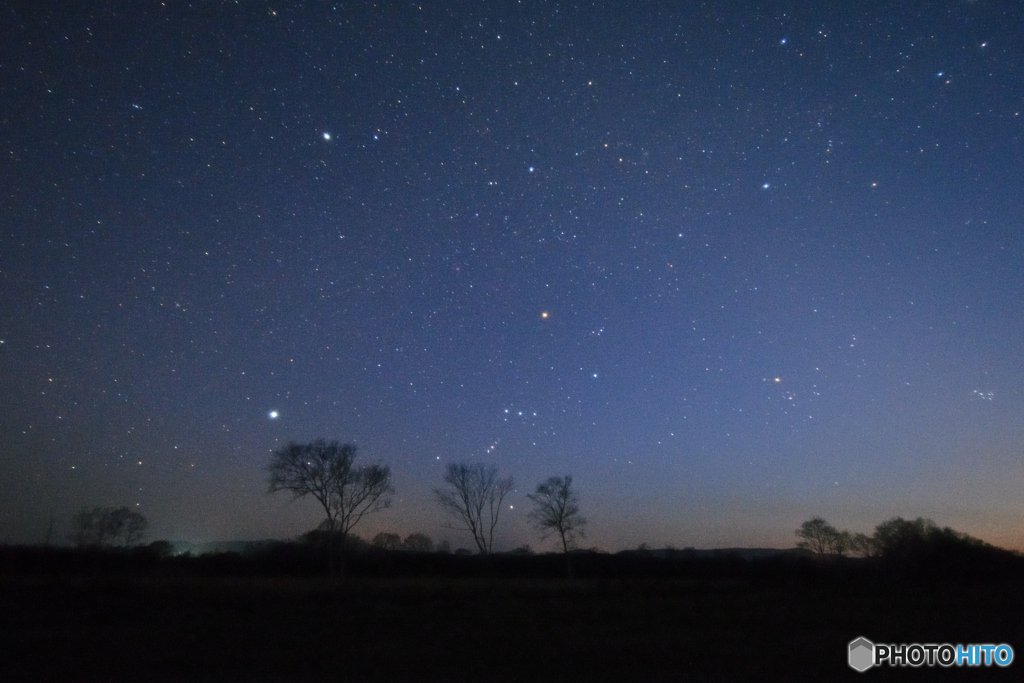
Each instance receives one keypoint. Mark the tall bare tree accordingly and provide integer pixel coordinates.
(473, 495)
(557, 511)
(326, 471)
(87, 528)
(50, 528)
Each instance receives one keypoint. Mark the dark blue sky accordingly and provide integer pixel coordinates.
(731, 267)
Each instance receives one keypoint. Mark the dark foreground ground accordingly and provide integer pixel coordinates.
(152, 628)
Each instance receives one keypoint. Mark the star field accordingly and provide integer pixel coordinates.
(731, 268)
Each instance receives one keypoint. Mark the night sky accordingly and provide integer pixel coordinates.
(730, 265)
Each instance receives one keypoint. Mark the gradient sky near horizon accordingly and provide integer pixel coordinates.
(731, 266)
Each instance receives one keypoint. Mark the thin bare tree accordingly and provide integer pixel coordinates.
(127, 525)
(473, 495)
(326, 471)
(557, 511)
(87, 528)
(50, 529)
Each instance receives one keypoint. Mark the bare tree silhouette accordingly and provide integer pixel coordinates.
(473, 495)
(557, 511)
(51, 528)
(822, 539)
(326, 471)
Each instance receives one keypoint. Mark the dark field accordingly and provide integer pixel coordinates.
(187, 628)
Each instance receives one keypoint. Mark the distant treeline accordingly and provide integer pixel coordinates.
(944, 561)
(472, 495)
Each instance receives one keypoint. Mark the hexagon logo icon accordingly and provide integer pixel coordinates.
(861, 654)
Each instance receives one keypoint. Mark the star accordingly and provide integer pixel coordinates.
(272, 414)
(327, 136)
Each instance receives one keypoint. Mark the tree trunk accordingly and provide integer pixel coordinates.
(342, 542)
(565, 551)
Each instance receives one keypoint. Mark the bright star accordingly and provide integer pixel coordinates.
(272, 415)
(766, 186)
(327, 136)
